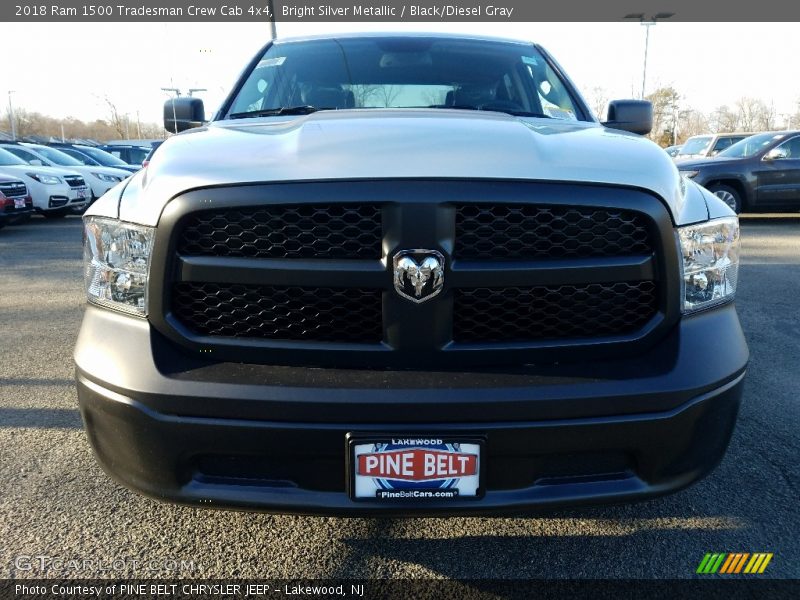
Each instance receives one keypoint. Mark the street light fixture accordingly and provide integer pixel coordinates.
(648, 22)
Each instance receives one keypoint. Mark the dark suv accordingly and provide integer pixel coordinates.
(130, 153)
(90, 155)
(757, 174)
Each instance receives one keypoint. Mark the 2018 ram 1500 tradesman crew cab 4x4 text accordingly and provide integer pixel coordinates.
(409, 274)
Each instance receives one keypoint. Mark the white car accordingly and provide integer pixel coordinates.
(99, 179)
(54, 191)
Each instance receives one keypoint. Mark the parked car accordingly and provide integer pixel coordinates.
(89, 155)
(16, 204)
(131, 154)
(150, 156)
(55, 191)
(710, 145)
(757, 174)
(100, 179)
(329, 301)
(673, 150)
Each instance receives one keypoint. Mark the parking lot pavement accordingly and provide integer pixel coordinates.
(55, 501)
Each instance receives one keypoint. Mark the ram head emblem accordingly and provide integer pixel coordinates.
(418, 274)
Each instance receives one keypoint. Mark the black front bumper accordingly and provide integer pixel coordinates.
(273, 438)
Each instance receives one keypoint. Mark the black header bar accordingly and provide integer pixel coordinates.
(397, 11)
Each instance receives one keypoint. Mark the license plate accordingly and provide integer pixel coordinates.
(19, 202)
(81, 193)
(405, 468)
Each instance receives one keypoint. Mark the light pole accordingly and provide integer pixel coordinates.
(272, 28)
(177, 95)
(11, 116)
(647, 22)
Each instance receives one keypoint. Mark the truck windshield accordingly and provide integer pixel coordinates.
(403, 72)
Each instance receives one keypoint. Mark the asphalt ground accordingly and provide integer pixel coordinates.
(56, 502)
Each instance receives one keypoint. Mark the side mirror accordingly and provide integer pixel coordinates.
(35, 162)
(635, 116)
(181, 114)
(777, 154)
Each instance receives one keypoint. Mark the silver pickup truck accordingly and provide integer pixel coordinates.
(409, 274)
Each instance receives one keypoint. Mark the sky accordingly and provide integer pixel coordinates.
(70, 69)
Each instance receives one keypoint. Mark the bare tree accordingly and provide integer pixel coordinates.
(435, 97)
(119, 122)
(793, 121)
(691, 122)
(598, 101)
(26, 122)
(755, 115)
(723, 119)
(387, 94)
(766, 118)
(363, 93)
(36, 124)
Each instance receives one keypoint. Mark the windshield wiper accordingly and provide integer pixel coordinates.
(305, 109)
(508, 111)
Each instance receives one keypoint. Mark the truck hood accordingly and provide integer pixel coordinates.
(402, 143)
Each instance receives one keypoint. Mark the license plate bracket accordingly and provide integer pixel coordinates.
(394, 468)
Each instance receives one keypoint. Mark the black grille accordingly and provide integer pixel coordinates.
(13, 189)
(74, 181)
(281, 313)
(552, 312)
(298, 231)
(524, 231)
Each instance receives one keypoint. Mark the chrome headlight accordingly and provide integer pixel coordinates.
(117, 263)
(710, 254)
(44, 178)
(107, 178)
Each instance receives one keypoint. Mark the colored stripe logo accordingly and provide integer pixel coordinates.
(731, 563)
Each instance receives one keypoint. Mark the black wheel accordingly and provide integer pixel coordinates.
(53, 214)
(728, 195)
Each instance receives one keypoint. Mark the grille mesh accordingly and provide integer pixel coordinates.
(13, 189)
(281, 313)
(526, 231)
(297, 231)
(552, 312)
(74, 181)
